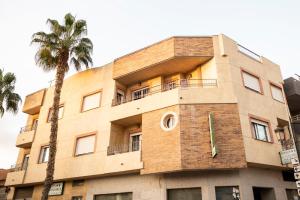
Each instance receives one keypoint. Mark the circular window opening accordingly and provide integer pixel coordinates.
(168, 121)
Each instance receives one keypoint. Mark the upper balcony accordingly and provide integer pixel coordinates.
(26, 136)
(173, 55)
(33, 102)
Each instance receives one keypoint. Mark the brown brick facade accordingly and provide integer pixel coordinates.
(195, 137)
(163, 51)
(188, 147)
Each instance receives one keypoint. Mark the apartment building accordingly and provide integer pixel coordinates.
(188, 118)
(3, 189)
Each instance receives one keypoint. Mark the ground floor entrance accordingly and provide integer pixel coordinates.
(243, 184)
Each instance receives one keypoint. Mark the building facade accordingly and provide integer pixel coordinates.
(3, 189)
(185, 118)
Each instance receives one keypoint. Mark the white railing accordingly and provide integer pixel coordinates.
(296, 117)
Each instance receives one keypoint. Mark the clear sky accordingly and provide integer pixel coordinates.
(270, 28)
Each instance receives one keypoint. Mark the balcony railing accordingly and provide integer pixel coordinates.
(296, 118)
(180, 83)
(123, 148)
(28, 128)
(18, 167)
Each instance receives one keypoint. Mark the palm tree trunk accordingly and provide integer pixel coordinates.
(60, 74)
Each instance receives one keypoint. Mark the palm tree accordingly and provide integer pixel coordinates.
(9, 101)
(63, 47)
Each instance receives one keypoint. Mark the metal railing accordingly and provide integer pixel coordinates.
(123, 148)
(180, 83)
(296, 118)
(28, 128)
(18, 167)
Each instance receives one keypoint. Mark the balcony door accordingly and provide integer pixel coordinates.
(135, 141)
(140, 93)
(25, 162)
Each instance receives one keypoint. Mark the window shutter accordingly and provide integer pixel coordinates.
(85, 145)
(251, 82)
(91, 101)
(277, 93)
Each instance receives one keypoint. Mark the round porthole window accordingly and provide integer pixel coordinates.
(168, 121)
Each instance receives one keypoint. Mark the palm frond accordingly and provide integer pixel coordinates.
(55, 27)
(80, 28)
(45, 59)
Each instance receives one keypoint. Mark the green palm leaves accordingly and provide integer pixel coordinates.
(9, 100)
(65, 43)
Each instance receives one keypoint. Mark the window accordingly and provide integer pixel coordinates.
(85, 145)
(185, 193)
(260, 130)
(251, 82)
(44, 154)
(292, 194)
(91, 101)
(77, 198)
(141, 93)
(60, 113)
(25, 162)
(168, 121)
(120, 97)
(227, 193)
(170, 85)
(135, 142)
(77, 183)
(119, 196)
(277, 93)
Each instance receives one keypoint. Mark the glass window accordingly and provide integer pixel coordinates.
(119, 196)
(260, 130)
(184, 194)
(277, 93)
(135, 142)
(227, 193)
(85, 145)
(60, 113)
(44, 154)
(91, 101)
(120, 97)
(251, 82)
(141, 93)
(168, 121)
(292, 194)
(25, 162)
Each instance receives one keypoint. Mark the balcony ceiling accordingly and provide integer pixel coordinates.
(168, 67)
(132, 120)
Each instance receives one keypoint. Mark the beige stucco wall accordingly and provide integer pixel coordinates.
(250, 102)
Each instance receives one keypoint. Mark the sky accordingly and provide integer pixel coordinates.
(270, 28)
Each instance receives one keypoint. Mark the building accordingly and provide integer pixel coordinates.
(185, 118)
(3, 189)
(292, 92)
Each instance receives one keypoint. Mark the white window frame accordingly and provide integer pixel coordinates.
(131, 140)
(143, 93)
(88, 95)
(260, 90)
(61, 110)
(44, 157)
(279, 88)
(265, 124)
(85, 136)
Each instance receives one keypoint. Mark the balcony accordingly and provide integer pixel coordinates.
(170, 56)
(124, 150)
(26, 136)
(33, 102)
(16, 176)
(292, 92)
(296, 118)
(181, 83)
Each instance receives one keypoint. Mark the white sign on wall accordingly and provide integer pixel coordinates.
(287, 155)
(56, 189)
